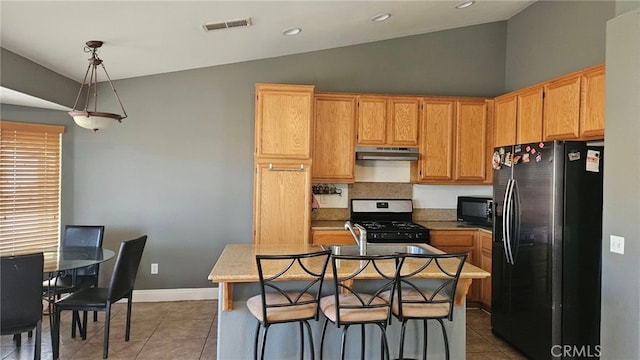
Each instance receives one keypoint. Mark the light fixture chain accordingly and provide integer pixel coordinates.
(81, 87)
(95, 87)
(114, 91)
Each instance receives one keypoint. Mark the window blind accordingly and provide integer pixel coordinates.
(30, 175)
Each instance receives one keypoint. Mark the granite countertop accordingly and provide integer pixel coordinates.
(237, 263)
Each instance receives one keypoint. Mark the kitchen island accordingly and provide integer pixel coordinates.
(237, 276)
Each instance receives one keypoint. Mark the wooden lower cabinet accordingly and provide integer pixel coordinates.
(477, 244)
(331, 237)
(459, 241)
(485, 242)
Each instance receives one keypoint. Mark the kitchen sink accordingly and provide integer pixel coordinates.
(377, 249)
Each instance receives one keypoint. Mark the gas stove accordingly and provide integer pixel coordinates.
(388, 221)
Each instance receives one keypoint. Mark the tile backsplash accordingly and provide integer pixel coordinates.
(431, 202)
(366, 190)
(376, 190)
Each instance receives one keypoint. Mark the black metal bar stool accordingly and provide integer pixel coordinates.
(350, 305)
(276, 305)
(415, 299)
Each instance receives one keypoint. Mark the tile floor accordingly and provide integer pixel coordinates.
(187, 330)
(481, 343)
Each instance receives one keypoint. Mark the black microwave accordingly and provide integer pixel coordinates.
(475, 210)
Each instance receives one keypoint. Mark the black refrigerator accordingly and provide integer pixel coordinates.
(547, 245)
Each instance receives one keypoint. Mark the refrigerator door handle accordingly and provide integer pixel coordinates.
(506, 221)
(505, 213)
(511, 221)
(517, 218)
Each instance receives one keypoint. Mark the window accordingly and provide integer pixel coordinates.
(30, 170)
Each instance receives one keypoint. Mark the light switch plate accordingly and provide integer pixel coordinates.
(616, 244)
(154, 268)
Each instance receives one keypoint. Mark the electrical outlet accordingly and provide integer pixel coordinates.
(154, 268)
(616, 244)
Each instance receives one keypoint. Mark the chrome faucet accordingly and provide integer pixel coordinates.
(360, 240)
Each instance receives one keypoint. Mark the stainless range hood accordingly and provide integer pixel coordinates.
(386, 153)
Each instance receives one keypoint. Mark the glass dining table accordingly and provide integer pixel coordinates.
(67, 258)
(74, 257)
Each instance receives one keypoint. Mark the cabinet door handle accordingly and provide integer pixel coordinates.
(271, 168)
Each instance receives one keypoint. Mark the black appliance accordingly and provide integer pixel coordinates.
(475, 210)
(547, 244)
(388, 221)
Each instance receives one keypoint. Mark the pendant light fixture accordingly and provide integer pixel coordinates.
(88, 115)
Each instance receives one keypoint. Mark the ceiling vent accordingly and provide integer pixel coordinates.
(227, 24)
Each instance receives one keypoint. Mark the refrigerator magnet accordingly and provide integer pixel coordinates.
(539, 157)
(495, 162)
(525, 157)
(516, 159)
(574, 155)
(593, 160)
(541, 145)
(517, 149)
(508, 160)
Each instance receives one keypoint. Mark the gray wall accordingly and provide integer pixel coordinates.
(27, 77)
(180, 168)
(620, 330)
(623, 6)
(553, 38)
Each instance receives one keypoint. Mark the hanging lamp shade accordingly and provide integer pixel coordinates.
(85, 110)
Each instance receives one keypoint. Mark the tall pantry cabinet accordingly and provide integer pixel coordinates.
(282, 163)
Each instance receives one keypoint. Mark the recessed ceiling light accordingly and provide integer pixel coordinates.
(291, 31)
(465, 4)
(380, 17)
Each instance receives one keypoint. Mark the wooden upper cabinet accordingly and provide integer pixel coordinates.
(471, 140)
(455, 141)
(403, 122)
(388, 120)
(283, 121)
(529, 119)
(518, 117)
(282, 189)
(372, 120)
(334, 135)
(570, 107)
(504, 127)
(592, 103)
(562, 109)
(436, 147)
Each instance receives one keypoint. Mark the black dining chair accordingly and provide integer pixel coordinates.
(358, 302)
(21, 296)
(278, 305)
(76, 236)
(416, 299)
(71, 280)
(101, 299)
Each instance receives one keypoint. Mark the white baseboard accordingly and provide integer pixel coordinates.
(154, 295)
